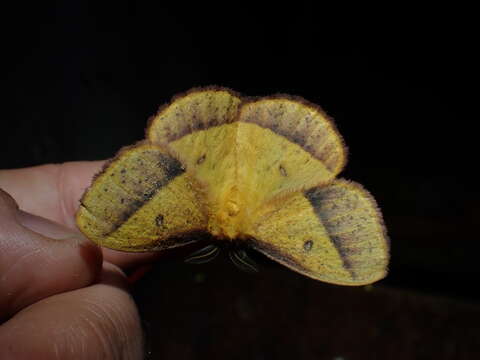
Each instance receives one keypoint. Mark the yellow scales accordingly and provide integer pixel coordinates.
(254, 171)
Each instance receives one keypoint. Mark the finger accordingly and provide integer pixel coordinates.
(39, 258)
(130, 260)
(96, 322)
(51, 191)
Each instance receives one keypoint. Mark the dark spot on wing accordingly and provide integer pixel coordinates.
(201, 159)
(159, 220)
(307, 245)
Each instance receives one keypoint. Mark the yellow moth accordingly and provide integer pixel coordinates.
(259, 172)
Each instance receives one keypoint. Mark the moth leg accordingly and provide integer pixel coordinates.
(204, 255)
(240, 258)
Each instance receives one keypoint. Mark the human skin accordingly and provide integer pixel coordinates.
(60, 295)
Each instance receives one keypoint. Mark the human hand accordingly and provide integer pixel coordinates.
(60, 295)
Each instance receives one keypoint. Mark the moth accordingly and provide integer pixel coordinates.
(260, 172)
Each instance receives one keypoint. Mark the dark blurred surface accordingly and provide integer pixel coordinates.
(81, 79)
(217, 312)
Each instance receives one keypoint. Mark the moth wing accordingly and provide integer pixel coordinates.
(302, 123)
(285, 145)
(195, 126)
(196, 110)
(333, 233)
(143, 200)
(199, 129)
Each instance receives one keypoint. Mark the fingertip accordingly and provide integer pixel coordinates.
(59, 241)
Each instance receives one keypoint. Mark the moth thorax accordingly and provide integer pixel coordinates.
(232, 208)
(226, 221)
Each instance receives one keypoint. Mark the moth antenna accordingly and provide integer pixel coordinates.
(243, 261)
(204, 255)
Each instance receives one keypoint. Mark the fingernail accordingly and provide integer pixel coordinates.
(48, 228)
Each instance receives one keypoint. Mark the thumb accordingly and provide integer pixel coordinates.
(39, 258)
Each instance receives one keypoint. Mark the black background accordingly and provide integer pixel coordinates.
(81, 80)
